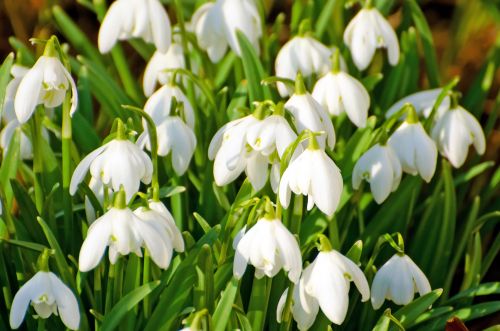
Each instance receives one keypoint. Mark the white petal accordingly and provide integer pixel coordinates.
(475, 130)
(82, 168)
(256, 170)
(355, 98)
(28, 92)
(160, 25)
(426, 157)
(421, 282)
(358, 277)
(112, 25)
(95, 244)
(67, 304)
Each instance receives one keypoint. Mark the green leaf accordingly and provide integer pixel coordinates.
(9, 166)
(409, 313)
(355, 251)
(4, 79)
(254, 71)
(126, 304)
(224, 308)
(480, 290)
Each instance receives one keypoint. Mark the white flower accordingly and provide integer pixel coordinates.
(228, 149)
(125, 233)
(381, 168)
(162, 221)
(415, 150)
(97, 188)
(313, 174)
(126, 19)
(48, 295)
(45, 83)
(454, 132)
(26, 149)
(159, 62)
(173, 136)
(422, 102)
(216, 24)
(325, 284)
(314, 59)
(273, 133)
(269, 247)
(17, 72)
(397, 280)
(339, 92)
(366, 32)
(119, 162)
(309, 114)
(159, 105)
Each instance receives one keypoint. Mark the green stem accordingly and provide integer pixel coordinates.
(145, 280)
(259, 300)
(66, 172)
(109, 288)
(36, 135)
(286, 317)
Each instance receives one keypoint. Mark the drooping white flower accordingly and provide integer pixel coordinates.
(125, 232)
(302, 54)
(315, 175)
(162, 221)
(398, 280)
(48, 295)
(159, 105)
(310, 115)
(366, 32)
(229, 151)
(325, 284)
(126, 19)
(270, 134)
(415, 150)
(422, 102)
(381, 168)
(17, 72)
(45, 83)
(159, 62)
(269, 247)
(454, 132)
(215, 25)
(119, 162)
(339, 92)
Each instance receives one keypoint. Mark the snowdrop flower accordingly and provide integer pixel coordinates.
(229, 151)
(339, 92)
(381, 168)
(45, 83)
(159, 62)
(302, 54)
(126, 19)
(159, 105)
(215, 25)
(125, 232)
(269, 247)
(366, 32)
(310, 115)
(397, 280)
(313, 174)
(160, 218)
(454, 132)
(423, 102)
(119, 162)
(48, 295)
(415, 150)
(325, 284)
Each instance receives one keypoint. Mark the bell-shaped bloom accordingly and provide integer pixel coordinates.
(175, 137)
(48, 295)
(159, 105)
(454, 132)
(158, 64)
(45, 83)
(315, 175)
(310, 115)
(126, 19)
(398, 280)
(367, 32)
(215, 25)
(269, 246)
(339, 92)
(325, 284)
(125, 232)
(380, 167)
(314, 59)
(160, 219)
(273, 133)
(119, 162)
(228, 150)
(422, 102)
(415, 150)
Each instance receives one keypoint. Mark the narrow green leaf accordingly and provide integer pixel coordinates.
(479, 290)
(224, 308)
(126, 304)
(5, 78)
(409, 313)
